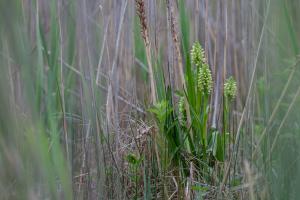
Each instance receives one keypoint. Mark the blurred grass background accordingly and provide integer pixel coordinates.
(74, 94)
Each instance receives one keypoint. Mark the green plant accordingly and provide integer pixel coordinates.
(198, 143)
(230, 90)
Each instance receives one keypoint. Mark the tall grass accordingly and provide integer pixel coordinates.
(277, 134)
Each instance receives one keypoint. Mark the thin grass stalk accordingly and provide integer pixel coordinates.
(62, 90)
(274, 112)
(204, 118)
(284, 119)
(225, 129)
(250, 179)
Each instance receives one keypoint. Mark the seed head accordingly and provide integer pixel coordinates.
(197, 54)
(204, 79)
(141, 12)
(230, 88)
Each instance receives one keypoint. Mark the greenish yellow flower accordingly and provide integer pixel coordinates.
(197, 54)
(230, 88)
(181, 111)
(205, 79)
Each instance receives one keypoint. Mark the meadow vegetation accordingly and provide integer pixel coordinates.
(146, 99)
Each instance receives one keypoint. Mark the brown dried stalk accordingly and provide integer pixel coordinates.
(140, 8)
(174, 34)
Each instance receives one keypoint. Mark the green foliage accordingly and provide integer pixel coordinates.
(169, 127)
(134, 164)
(161, 111)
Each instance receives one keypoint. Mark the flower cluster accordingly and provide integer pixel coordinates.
(230, 88)
(197, 54)
(204, 80)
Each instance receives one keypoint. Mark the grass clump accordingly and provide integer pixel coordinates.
(194, 150)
